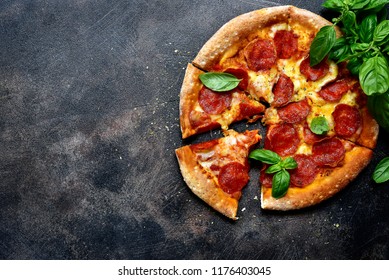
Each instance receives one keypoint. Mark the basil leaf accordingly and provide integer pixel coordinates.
(381, 172)
(219, 81)
(289, 163)
(319, 125)
(340, 49)
(375, 6)
(379, 107)
(265, 156)
(322, 44)
(359, 4)
(274, 168)
(367, 27)
(381, 32)
(280, 184)
(349, 20)
(336, 5)
(354, 64)
(374, 75)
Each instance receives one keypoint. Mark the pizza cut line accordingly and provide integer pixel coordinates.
(268, 50)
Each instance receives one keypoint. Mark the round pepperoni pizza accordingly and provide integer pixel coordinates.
(267, 52)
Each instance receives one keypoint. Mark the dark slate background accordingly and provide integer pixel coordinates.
(89, 94)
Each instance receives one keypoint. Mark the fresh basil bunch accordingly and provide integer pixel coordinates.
(365, 46)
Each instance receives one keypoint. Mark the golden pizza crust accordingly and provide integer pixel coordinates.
(203, 184)
(326, 184)
(188, 97)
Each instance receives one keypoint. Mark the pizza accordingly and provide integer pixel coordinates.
(267, 50)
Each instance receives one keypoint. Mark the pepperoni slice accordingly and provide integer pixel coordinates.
(334, 91)
(248, 110)
(294, 112)
(260, 54)
(283, 139)
(204, 146)
(328, 152)
(306, 171)
(240, 74)
(286, 43)
(214, 102)
(316, 72)
(283, 91)
(233, 177)
(347, 120)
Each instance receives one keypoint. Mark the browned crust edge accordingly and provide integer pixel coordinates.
(323, 187)
(188, 96)
(204, 186)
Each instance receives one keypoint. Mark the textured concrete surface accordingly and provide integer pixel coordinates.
(88, 127)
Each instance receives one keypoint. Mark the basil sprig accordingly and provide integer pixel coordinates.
(278, 166)
(365, 44)
(219, 81)
(381, 172)
(319, 125)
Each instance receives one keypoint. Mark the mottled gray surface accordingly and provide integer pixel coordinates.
(88, 127)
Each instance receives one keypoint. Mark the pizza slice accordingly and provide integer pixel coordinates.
(202, 109)
(217, 170)
(324, 167)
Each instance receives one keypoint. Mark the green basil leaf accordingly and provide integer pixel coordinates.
(367, 27)
(381, 32)
(374, 75)
(319, 125)
(349, 21)
(379, 108)
(359, 4)
(354, 64)
(359, 47)
(280, 183)
(266, 156)
(274, 168)
(381, 172)
(322, 44)
(375, 6)
(336, 5)
(289, 163)
(340, 49)
(219, 81)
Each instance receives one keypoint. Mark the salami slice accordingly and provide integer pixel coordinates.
(233, 177)
(214, 102)
(334, 91)
(347, 120)
(265, 179)
(306, 171)
(283, 91)
(316, 72)
(286, 43)
(294, 112)
(328, 152)
(283, 139)
(260, 54)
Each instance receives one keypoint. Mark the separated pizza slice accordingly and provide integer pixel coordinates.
(203, 109)
(217, 170)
